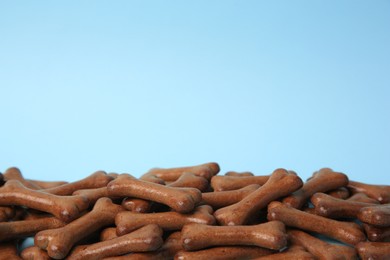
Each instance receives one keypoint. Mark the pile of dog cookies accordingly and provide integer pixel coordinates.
(193, 213)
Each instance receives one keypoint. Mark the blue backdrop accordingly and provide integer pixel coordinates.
(125, 86)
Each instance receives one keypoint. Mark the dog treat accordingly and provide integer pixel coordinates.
(14, 173)
(129, 221)
(347, 232)
(9, 250)
(147, 238)
(293, 252)
(373, 250)
(322, 181)
(377, 234)
(340, 193)
(34, 253)
(182, 200)
(168, 250)
(378, 215)
(96, 180)
(280, 184)
(224, 253)
(186, 180)
(225, 183)
(321, 249)
(169, 214)
(206, 170)
(58, 242)
(328, 206)
(226, 198)
(380, 193)
(65, 208)
(270, 235)
(190, 180)
(25, 228)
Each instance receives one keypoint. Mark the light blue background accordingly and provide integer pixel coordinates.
(125, 86)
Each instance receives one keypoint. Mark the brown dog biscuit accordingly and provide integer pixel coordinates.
(147, 238)
(321, 181)
(280, 184)
(168, 250)
(380, 193)
(26, 228)
(13, 173)
(349, 233)
(129, 221)
(206, 170)
(186, 180)
(225, 183)
(270, 235)
(328, 206)
(182, 200)
(58, 242)
(96, 180)
(65, 208)
(319, 248)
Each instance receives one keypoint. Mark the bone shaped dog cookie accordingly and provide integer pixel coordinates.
(349, 233)
(270, 235)
(321, 181)
(129, 221)
(321, 249)
(147, 238)
(206, 170)
(182, 200)
(26, 228)
(65, 208)
(96, 180)
(225, 183)
(58, 242)
(280, 183)
(380, 193)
